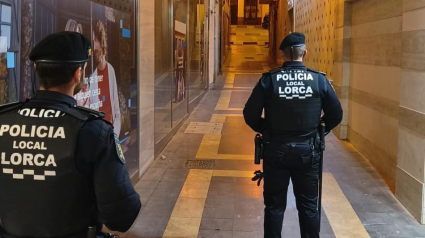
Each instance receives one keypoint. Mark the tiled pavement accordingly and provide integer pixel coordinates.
(222, 202)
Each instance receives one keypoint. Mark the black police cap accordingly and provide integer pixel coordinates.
(62, 47)
(293, 40)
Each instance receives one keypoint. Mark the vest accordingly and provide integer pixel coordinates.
(42, 192)
(294, 106)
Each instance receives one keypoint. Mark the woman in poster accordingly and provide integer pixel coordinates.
(82, 97)
(104, 81)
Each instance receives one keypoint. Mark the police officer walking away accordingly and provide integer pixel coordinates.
(292, 98)
(62, 170)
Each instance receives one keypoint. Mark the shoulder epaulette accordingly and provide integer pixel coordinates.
(317, 72)
(10, 106)
(90, 112)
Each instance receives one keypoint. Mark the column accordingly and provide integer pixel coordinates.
(146, 69)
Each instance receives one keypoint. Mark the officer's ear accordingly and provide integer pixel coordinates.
(77, 75)
(305, 54)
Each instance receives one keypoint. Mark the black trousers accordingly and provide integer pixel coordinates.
(300, 163)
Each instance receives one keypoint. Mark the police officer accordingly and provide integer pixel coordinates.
(61, 167)
(292, 98)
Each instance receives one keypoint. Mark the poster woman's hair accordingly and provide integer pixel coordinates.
(100, 35)
(74, 26)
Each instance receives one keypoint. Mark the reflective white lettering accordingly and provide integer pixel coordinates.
(37, 161)
(14, 130)
(4, 128)
(41, 134)
(25, 112)
(49, 113)
(309, 90)
(50, 161)
(30, 145)
(33, 113)
(28, 159)
(3, 159)
(24, 134)
(60, 133)
(16, 159)
(279, 77)
(309, 77)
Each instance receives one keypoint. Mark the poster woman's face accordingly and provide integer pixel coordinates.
(98, 53)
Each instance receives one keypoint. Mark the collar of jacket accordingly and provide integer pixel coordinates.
(54, 96)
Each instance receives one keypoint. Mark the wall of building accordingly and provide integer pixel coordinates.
(376, 43)
(358, 46)
(411, 133)
(373, 52)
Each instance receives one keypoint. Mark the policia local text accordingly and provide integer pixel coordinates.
(31, 132)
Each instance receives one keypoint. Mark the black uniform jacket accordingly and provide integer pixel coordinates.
(254, 107)
(110, 191)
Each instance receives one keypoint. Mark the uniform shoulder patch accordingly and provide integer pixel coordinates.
(120, 153)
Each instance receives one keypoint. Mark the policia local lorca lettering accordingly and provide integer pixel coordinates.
(33, 132)
(62, 171)
(292, 98)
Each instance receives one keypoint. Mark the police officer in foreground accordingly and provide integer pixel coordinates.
(62, 171)
(292, 97)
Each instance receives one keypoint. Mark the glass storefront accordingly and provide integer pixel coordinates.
(111, 85)
(181, 31)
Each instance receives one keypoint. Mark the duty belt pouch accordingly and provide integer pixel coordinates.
(306, 151)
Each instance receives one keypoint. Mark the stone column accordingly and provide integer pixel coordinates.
(146, 69)
(411, 147)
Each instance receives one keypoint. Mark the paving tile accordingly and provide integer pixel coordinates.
(168, 189)
(152, 227)
(159, 207)
(146, 184)
(175, 175)
(218, 212)
(182, 227)
(248, 234)
(215, 234)
(153, 174)
(217, 224)
(248, 224)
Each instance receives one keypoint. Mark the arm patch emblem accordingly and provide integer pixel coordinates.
(119, 149)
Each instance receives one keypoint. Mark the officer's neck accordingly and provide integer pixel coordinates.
(67, 91)
(289, 60)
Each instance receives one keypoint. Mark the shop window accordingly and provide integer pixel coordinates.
(5, 22)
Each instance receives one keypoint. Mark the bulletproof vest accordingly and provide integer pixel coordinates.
(295, 104)
(42, 193)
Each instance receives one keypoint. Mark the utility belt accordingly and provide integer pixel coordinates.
(311, 139)
(285, 138)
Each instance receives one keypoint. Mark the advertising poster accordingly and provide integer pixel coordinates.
(110, 84)
(180, 61)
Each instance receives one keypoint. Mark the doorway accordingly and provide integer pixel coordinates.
(251, 12)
